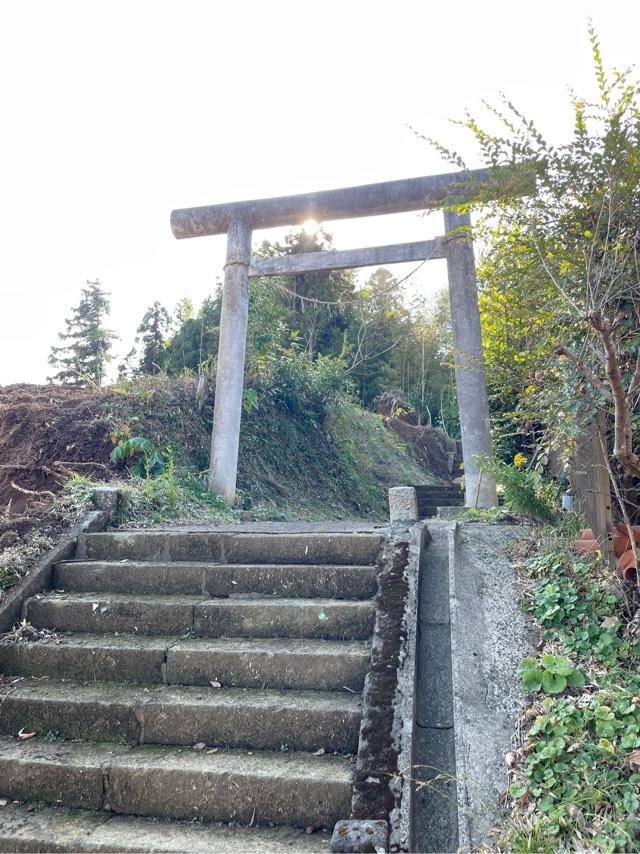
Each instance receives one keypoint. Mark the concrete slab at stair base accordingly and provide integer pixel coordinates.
(165, 782)
(60, 830)
(490, 635)
(299, 720)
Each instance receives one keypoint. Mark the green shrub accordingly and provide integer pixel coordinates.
(305, 388)
(151, 460)
(525, 492)
(551, 674)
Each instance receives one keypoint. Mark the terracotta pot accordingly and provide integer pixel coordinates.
(584, 547)
(621, 541)
(628, 566)
(587, 534)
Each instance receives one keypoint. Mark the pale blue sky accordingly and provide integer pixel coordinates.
(114, 113)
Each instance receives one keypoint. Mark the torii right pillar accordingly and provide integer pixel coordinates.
(471, 382)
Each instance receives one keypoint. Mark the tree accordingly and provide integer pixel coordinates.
(579, 236)
(317, 301)
(152, 331)
(83, 360)
(195, 343)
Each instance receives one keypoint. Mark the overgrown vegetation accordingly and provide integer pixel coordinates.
(20, 551)
(576, 776)
(524, 490)
(560, 281)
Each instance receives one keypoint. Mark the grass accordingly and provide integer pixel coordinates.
(290, 468)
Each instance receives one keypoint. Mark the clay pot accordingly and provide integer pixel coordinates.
(587, 534)
(628, 566)
(584, 547)
(621, 541)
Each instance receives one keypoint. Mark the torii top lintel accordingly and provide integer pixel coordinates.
(409, 194)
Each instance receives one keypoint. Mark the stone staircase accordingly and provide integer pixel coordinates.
(431, 497)
(188, 691)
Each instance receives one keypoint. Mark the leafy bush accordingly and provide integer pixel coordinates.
(525, 491)
(306, 388)
(152, 461)
(551, 674)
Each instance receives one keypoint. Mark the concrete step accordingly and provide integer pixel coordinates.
(89, 657)
(233, 617)
(318, 548)
(234, 662)
(432, 512)
(58, 829)
(292, 663)
(306, 580)
(171, 782)
(161, 714)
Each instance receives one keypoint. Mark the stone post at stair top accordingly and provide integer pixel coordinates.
(225, 439)
(403, 505)
(471, 384)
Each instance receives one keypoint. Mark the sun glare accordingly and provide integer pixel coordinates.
(310, 227)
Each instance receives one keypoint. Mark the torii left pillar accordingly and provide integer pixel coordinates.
(227, 413)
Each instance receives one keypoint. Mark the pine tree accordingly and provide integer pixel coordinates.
(83, 360)
(152, 330)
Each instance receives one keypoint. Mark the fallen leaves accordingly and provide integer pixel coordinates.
(633, 760)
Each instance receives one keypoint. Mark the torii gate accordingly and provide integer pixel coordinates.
(239, 219)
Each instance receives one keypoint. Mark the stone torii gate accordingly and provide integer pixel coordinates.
(239, 219)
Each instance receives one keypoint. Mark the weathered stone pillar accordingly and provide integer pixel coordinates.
(231, 353)
(471, 382)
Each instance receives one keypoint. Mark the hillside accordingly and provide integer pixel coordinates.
(330, 466)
